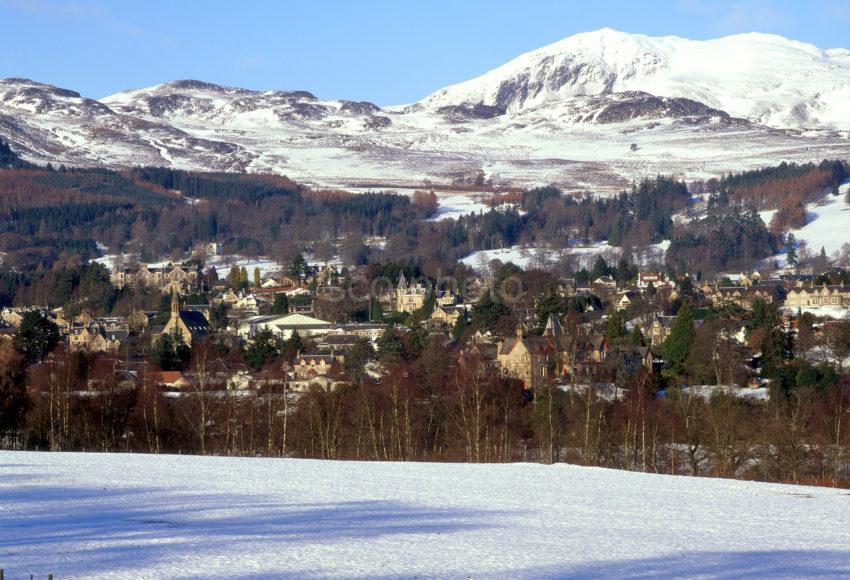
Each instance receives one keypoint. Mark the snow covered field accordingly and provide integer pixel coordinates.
(827, 223)
(222, 264)
(830, 311)
(137, 516)
(522, 256)
(453, 205)
(525, 256)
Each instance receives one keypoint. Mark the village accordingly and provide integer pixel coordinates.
(425, 290)
(671, 328)
(614, 328)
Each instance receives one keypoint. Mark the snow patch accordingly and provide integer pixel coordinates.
(526, 256)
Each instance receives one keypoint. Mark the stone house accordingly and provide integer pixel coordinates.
(95, 337)
(165, 278)
(660, 329)
(818, 297)
(12, 316)
(529, 359)
(448, 315)
(409, 297)
(446, 298)
(316, 370)
(625, 299)
(605, 282)
(743, 296)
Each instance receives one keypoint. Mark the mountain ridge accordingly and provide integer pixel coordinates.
(596, 109)
(608, 61)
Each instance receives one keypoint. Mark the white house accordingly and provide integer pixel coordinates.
(647, 278)
(284, 325)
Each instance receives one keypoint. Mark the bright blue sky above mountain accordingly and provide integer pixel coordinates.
(388, 52)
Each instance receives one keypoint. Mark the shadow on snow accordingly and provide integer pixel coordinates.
(89, 531)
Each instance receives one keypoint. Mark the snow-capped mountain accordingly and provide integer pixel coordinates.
(765, 78)
(199, 103)
(45, 123)
(594, 110)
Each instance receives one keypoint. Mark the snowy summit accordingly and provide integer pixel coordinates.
(764, 78)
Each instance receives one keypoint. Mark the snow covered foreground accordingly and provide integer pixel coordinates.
(137, 516)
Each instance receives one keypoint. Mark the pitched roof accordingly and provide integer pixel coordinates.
(119, 335)
(536, 345)
(300, 321)
(167, 377)
(195, 320)
(339, 339)
(327, 359)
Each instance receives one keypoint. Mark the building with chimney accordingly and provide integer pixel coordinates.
(409, 297)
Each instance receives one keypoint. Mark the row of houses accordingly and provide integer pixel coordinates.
(818, 297)
(307, 371)
(83, 332)
(552, 357)
(181, 278)
(742, 289)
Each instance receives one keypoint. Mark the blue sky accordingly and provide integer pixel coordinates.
(388, 52)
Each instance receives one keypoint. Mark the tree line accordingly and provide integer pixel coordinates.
(435, 407)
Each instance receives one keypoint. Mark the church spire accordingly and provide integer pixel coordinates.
(175, 304)
(553, 327)
(402, 282)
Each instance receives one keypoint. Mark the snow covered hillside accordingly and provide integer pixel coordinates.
(827, 222)
(531, 256)
(595, 110)
(764, 78)
(137, 516)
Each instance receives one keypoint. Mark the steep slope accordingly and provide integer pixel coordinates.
(765, 78)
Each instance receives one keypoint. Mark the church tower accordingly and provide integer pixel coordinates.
(175, 305)
(190, 323)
